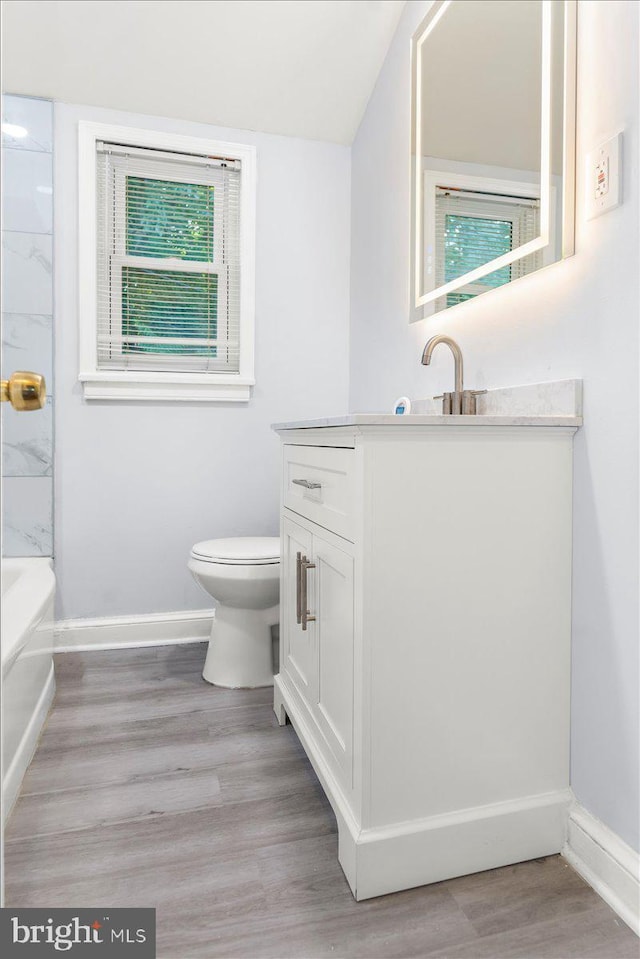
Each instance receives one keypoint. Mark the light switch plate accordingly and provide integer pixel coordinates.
(603, 177)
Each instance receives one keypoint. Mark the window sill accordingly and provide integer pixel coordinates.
(176, 387)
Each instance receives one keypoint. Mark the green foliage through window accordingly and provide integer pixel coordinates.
(454, 298)
(470, 242)
(165, 218)
(168, 304)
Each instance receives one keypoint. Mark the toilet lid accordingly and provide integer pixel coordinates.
(242, 550)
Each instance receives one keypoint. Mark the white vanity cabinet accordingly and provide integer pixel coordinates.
(430, 687)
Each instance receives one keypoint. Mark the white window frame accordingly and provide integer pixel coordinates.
(435, 179)
(151, 385)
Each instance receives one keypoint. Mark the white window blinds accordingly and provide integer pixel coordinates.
(168, 270)
(473, 228)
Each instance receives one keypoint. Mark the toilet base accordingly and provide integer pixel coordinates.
(240, 649)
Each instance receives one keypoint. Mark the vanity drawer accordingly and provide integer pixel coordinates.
(319, 483)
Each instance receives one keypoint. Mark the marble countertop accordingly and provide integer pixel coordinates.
(557, 403)
(407, 420)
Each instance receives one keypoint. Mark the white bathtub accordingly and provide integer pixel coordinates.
(26, 650)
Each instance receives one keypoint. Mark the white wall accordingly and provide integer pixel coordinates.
(578, 318)
(138, 483)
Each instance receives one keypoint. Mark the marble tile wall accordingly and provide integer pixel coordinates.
(27, 322)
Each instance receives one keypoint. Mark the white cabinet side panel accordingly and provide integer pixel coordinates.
(467, 619)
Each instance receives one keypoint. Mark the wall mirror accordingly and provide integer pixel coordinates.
(493, 146)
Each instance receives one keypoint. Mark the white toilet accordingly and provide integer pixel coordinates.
(242, 575)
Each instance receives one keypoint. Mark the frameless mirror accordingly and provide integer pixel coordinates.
(493, 125)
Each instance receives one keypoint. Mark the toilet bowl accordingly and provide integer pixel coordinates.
(242, 575)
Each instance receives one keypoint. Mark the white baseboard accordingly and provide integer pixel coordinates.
(116, 632)
(457, 844)
(382, 860)
(12, 778)
(607, 863)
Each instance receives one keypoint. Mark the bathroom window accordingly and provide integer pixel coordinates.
(473, 228)
(167, 301)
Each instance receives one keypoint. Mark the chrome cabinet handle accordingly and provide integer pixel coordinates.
(305, 565)
(298, 588)
(307, 484)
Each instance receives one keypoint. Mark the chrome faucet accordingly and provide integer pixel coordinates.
(461, 400)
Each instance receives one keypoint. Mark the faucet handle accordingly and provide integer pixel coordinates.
(459, 403)
(468, 403)
(449, 402)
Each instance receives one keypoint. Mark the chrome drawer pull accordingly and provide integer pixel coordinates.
(306, 617)
(306, 483)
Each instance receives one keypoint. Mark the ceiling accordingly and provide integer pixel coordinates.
(302, 68)
(499, 45)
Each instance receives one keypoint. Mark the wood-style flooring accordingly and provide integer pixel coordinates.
(152, 788)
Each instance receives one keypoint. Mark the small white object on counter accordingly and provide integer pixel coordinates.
(402, 406)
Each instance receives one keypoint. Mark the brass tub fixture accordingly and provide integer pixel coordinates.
(24, 390)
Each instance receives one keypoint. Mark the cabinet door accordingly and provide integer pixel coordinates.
(297, 658)
(331, 586)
